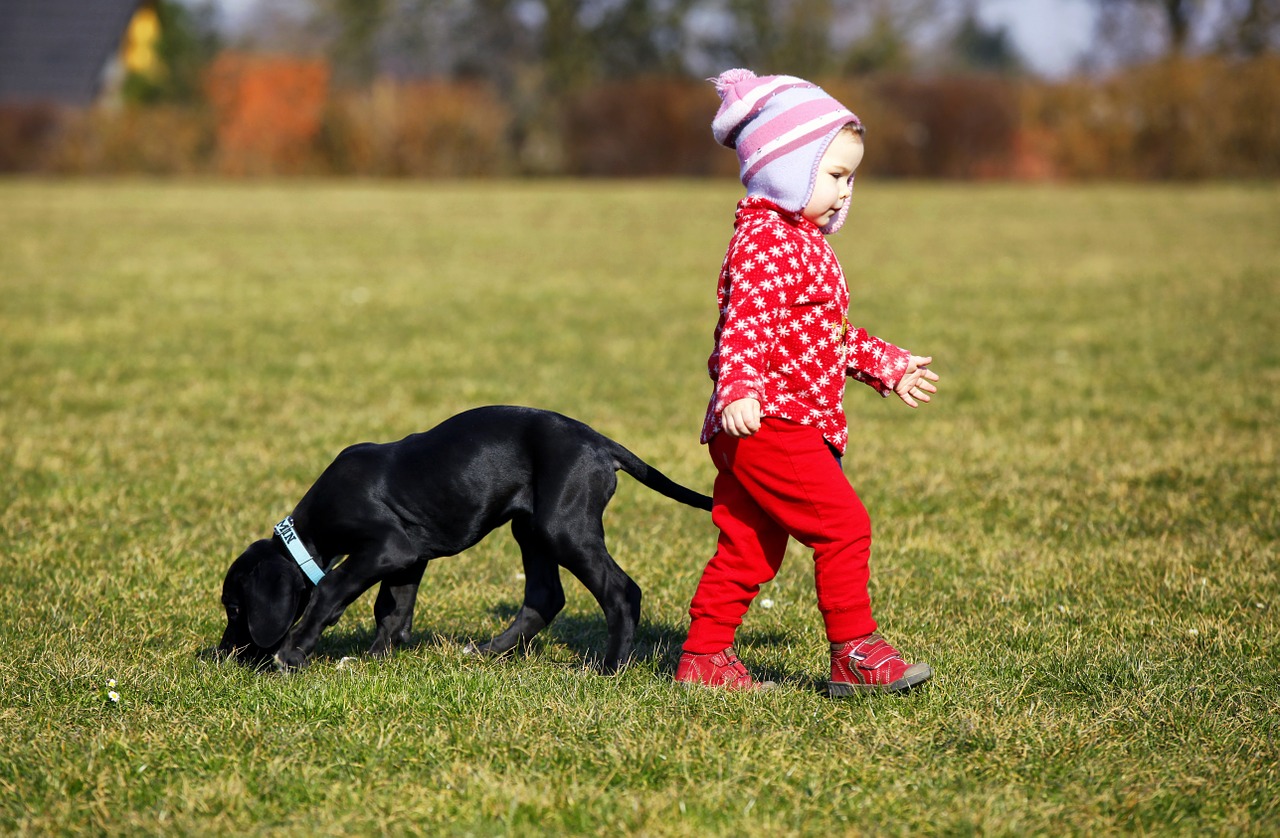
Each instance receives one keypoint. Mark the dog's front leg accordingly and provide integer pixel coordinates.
(393, 610)
(330, 598)
(341, 587)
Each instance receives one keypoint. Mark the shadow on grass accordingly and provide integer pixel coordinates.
(585, 635)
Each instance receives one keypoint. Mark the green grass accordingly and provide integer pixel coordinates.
(1079, 534)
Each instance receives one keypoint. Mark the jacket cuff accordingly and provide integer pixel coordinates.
(871, 381)
(727, 393)
(887, 370)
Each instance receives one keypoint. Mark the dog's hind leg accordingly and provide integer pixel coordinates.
(393, 609)
(543, 593)
(617, 593)
(584, 553)
(569, 519)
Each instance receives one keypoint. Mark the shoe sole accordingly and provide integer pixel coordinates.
(912, 678)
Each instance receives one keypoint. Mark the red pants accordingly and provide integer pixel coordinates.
(781, 481)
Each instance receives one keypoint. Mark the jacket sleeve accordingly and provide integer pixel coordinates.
(756, 303)
(874, 361)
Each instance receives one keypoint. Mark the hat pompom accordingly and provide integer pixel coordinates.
(729, 78)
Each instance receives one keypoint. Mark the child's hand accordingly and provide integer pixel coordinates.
(742, 418)
(915, 386)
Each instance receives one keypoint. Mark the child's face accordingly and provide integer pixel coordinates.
(831, 187)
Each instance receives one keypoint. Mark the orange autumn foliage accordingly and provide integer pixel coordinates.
(268, 110)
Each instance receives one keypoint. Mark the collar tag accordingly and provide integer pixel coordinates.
(300, 555)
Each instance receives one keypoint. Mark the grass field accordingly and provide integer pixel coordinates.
(1080, 534)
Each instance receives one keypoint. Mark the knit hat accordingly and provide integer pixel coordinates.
(780, 126)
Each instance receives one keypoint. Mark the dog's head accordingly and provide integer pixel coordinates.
(264, 594)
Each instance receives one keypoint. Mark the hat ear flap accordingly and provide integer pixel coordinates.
(275, 595)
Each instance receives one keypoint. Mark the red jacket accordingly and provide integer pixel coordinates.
(783, 337)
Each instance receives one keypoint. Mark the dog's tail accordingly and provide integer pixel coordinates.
(656, 480)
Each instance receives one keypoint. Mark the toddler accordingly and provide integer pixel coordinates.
(775, 427)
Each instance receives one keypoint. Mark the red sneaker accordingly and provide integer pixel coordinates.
(869, 664)
(722, 670)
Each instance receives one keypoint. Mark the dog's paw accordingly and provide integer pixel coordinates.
(383, 648)
(288, 660)
(488, 649)
(497, 648)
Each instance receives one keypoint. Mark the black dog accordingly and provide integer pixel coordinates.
(392, 507)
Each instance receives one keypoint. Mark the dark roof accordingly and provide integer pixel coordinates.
(55, 50)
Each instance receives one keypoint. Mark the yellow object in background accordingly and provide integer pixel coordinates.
(140, 41)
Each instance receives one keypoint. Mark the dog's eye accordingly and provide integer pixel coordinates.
(233, 612)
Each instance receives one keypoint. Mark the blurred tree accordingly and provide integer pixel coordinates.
(570, 44)
(891, 36)
(488, 40)
(1138, 30)
(813, 38)
(976, 46)
(1250, 28)
(804, 46)
(585, 41)
(639, 37)
(269, 111)
(1177, 17)
(567, 51)
(186, 44)
(353, 42)
(748, 34)
(886, 47)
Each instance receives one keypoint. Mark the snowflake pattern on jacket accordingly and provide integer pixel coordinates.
(783, 337)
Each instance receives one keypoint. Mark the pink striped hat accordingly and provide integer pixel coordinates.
(780, 126)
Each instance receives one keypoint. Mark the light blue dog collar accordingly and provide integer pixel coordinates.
(299, 553)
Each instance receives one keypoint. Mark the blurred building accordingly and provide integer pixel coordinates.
(71, 52)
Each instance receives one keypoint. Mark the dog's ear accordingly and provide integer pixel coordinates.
(275, 593)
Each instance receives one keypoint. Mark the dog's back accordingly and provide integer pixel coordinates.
(465, 477)
(485, 457)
